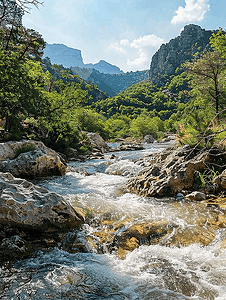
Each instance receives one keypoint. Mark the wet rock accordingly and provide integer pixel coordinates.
(192, 235)
(25, 205)
(36, 161)
(196, 196)
(72, 243)
(179, 196)
(140, 234)
(14, 246)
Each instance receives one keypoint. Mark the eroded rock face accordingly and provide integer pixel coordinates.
(39, 162)
(168, 172)
(25, 205)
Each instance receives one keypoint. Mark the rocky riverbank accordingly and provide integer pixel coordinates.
(31, 217)
(181, 170)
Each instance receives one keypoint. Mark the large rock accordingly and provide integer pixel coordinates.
(98, 142)
(24, 205)
(39, 162)
(169, 172)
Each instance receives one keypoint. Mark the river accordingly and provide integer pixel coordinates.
(156, 271)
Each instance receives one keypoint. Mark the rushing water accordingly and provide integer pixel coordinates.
(149, 272)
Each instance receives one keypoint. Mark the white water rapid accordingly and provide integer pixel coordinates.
(150, 272)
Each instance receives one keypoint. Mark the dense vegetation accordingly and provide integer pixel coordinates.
(47, 102)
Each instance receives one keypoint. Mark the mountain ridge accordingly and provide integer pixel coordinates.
(71, 57)
(171, 55)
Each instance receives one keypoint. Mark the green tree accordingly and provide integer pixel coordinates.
(208, 78)
(21, 91)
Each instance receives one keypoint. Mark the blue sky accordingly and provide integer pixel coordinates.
(125, 33)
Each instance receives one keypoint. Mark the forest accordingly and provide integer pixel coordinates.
(47, 102)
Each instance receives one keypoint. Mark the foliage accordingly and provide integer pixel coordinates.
(21, 90)
(208, 78)
(141, 97)
(218, 42)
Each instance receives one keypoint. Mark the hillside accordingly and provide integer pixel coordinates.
(112, 84)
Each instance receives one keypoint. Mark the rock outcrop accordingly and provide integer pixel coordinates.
(169, 172)
(30, 159)
(171, 55)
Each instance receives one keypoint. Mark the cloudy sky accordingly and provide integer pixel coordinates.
(125, 33)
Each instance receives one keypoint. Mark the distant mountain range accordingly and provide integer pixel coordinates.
(112, 84)
(70, 57)
(112, 80)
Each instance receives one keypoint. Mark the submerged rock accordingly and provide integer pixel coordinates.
(30, 159)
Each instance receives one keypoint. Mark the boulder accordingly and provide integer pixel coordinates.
(30, 159)
(98, 142)
(129, 147)
(25, 205)
(148, 139)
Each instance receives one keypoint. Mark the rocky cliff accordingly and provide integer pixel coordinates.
(171, 55)
(63, 55)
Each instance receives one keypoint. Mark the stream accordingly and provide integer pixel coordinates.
(151, 271)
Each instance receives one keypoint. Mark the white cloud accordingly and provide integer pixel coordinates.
(138, 52)
(147, 41)
(193, 11)
(141, 62)
(124, 42)
(118, 47)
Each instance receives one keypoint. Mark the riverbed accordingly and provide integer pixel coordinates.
(157, 271)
